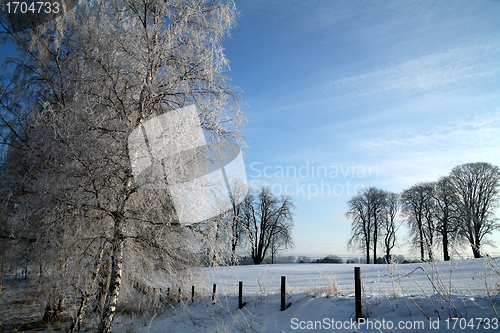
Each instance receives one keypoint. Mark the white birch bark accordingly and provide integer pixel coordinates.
(116, 280)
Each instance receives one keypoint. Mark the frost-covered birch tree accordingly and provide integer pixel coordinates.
(80, 85)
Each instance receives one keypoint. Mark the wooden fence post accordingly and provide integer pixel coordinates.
(283, 291)
(213, 293)
(240, 300)
(357, 291)
(192, 294)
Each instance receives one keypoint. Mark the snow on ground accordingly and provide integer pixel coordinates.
(465, 276)
(445, 297)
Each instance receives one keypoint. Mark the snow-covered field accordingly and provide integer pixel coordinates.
(458, 296)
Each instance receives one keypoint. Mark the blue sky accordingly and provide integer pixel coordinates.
(368, 93)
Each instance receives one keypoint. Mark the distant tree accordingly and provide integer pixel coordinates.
(335, 259)
(362, 224)
(238, 228)
(269, 221)
(477, 188)
(399, 259)
(417, 204)
(388, 226)
(330, 259)
(303, 259)
(281, 240)
(384, 260)
(448, 215)
(288, 259)
(366, 209)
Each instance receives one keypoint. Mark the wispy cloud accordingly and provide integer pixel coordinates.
(456, 68)
(483, 128)
(407, 155)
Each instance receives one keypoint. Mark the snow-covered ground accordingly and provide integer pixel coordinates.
(458, 296)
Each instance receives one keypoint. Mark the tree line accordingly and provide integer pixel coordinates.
(447, 214)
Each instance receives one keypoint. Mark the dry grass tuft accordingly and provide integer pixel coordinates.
(332, 286)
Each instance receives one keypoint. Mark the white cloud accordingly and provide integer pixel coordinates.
(405, 156)
(457, 68)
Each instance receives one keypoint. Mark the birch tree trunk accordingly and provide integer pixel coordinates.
(86, 295)
(103, 283)
(116, 279)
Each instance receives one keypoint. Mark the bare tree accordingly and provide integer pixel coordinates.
(366, 209)
(447, 214)
(388, 223)
(378, 203)
(269, 221)
(281, 240)
(239, 229)
(362, 224)
(477, 188)
(417, 204)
